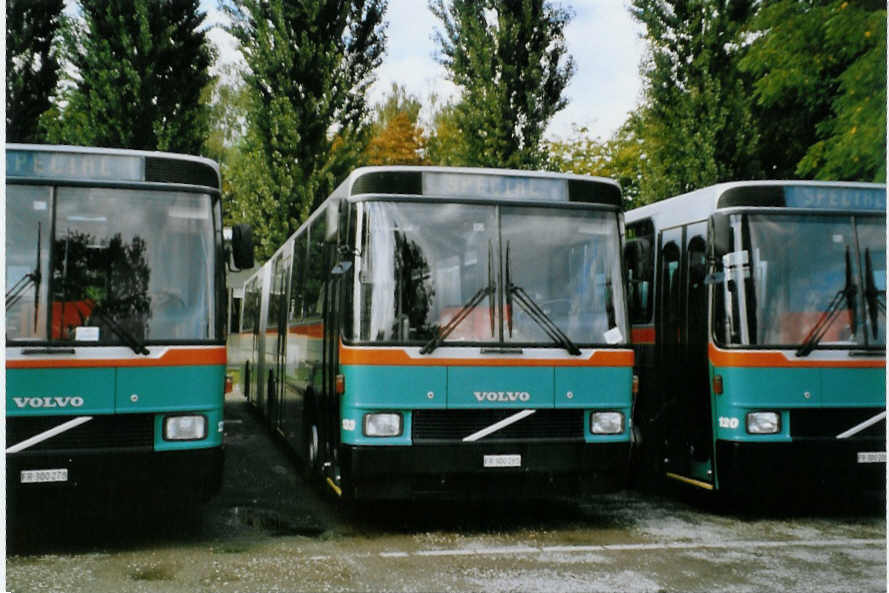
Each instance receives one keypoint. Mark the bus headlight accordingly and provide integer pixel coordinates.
(763, 422)
(185, 428)
(607, 422)
(382, 424)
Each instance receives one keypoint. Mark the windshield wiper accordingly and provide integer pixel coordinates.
(872, 294)
(14, 294)
(846, 293)
(535, 312)
(129, 339)
(465, 310)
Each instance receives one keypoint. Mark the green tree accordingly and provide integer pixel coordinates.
(696, 122)
(32, 65)
(141, 71)
(619, 158)
(444, 141)
(820, 88)
(510, 60)
(309, 65)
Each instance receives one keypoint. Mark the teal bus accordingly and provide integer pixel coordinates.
(758, 314)
(448, 332)
(115, 322)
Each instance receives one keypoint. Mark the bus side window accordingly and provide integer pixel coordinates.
(637, 254)
(297, 279)
(671, 292)
(316, 275)
(697, 272)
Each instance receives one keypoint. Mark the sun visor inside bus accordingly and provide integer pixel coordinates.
(163, 170)
(766, 196)
(389, 182)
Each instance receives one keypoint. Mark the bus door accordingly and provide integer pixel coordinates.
(668, 354)
(682, 352)
(281, 275)
(696, 387)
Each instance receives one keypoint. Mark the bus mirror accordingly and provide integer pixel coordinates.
(719, 238)
(242, 246)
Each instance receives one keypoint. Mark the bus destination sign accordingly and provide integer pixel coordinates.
(71, 165)
(475, 185)
(835, 198)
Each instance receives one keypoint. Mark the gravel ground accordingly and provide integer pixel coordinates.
(268, 531)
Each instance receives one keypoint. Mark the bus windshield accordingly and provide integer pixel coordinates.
(804, 280)
(103, 266)
(498, 274)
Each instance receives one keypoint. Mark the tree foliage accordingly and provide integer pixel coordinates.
(619, 158)
(141, 68)
(309, 65)
(32, 65)
(397, 137)
(821, 87)
(696, 122)
(510, 60)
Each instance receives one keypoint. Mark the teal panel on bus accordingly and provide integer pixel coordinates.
(175, 388)
(408, 387)
(500, 387)
(775, 387)
(853, 387)
(53, 392)
(593, 387)
(214, 433)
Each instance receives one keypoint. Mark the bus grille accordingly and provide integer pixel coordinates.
(450, 426)
(829, 422)
(122, 431)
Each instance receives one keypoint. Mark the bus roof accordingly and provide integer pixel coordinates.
(479, 183)
(108, 165)
(810, 195)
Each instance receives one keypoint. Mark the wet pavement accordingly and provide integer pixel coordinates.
(268, 531)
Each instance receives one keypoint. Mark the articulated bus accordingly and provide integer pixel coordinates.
(758, 314)
(435, 332)
(115, 312)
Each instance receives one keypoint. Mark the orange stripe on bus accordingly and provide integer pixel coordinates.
(730, 358)
(316, 330)
(642, 335)
(399, 357)
(173, 357)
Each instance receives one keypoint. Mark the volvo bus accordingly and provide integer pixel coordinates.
(436, 332)
(758, 314)
(115, 314)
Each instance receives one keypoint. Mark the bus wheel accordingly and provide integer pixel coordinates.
(311, 447)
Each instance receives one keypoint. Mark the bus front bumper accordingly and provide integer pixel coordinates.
(538, 470)
(827, 465)
(186, 476)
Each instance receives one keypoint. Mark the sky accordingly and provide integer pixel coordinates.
(602, 37)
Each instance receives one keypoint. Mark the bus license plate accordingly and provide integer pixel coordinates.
(39, 476)
(503, 460)
(872, 457)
